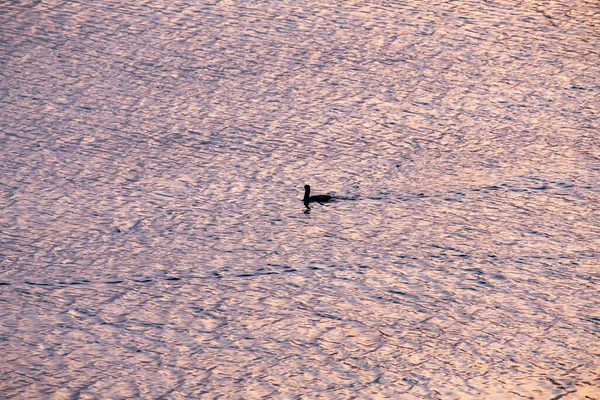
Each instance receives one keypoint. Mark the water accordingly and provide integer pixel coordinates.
(152, 236)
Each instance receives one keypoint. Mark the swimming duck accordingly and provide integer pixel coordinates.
(322, 198)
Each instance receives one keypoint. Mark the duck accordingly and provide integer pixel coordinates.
(321, 198)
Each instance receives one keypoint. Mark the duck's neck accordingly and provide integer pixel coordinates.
(306, 193)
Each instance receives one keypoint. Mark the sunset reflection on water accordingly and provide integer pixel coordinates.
(153, 241)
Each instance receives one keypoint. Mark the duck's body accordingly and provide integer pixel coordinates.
(322, 198)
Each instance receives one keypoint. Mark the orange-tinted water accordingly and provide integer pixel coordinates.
(153, 242)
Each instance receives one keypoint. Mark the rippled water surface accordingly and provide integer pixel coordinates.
(153, 242)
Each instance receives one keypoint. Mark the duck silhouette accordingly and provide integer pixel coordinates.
(321, 198)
